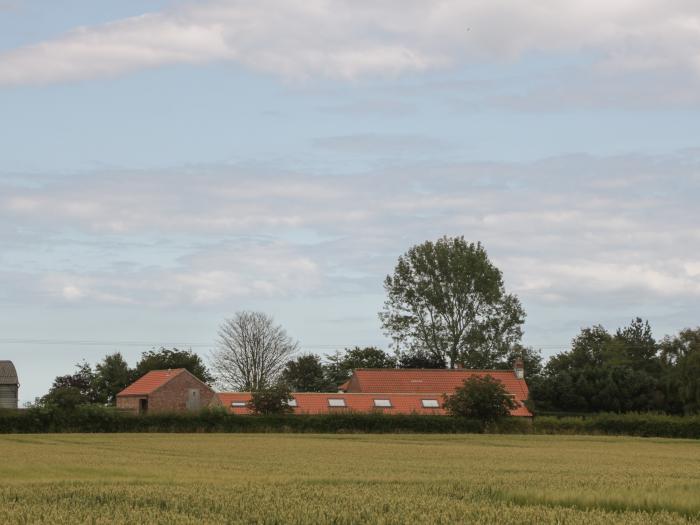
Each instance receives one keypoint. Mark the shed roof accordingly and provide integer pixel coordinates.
(8, 373)
(150, 382)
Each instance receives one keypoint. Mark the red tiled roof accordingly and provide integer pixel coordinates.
(317, 403)
(150, 382)
(377, 380)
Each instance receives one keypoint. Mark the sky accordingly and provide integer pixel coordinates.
(164, 164)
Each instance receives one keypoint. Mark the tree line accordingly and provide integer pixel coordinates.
(446, 306)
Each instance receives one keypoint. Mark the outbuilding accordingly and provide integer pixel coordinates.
(9, 385)
(175, 390)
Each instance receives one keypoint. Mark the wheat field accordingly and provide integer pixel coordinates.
(293, 478)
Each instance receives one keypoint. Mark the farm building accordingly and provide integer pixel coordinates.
(386, 390)
(390, 391)
(174, 390)
(9, 385)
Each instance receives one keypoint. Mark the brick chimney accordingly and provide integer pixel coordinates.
(519, 368)
(459, 365)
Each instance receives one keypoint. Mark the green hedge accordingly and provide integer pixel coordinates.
(94, 419)
(645, 425)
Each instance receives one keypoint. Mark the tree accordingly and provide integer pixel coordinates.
(111, 376)
(483, 398)
(341, 365)
(680, 358)
(604, 372)
(419, 358)
(271, 400)
(252, 351)
(532, 359)
(306, 373)
(447, 298)
(164, 359)
(74, 389)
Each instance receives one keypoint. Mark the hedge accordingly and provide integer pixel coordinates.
(94, 419)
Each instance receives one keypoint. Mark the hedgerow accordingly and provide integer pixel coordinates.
(97, 419)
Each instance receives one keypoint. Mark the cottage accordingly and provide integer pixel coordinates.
(174, 390)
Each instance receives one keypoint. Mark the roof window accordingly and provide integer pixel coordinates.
(382, 403)
(334, 402)
(430, 403)
(238, 404)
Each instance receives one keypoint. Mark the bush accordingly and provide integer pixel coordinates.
(482, 398)
(272, 400)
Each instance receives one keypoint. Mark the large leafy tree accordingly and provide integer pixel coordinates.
(448, 299)
(604, 372)
(341, 365)
(306, 373)
(111, 376)
(680, 363)
(165, 358)
(74, 389)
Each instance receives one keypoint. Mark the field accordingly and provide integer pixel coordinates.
(267, 478)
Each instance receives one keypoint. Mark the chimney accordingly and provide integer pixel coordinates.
(519, 368)
(459, 365)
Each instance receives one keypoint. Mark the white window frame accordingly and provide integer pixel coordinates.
(382, 403)
(428, 403)
(336, 402)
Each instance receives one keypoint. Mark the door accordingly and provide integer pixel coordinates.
(193, 399)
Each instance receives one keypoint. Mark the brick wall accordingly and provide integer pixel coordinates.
(172, 397)
(129, 403)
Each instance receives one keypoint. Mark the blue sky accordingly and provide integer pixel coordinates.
(165, 164)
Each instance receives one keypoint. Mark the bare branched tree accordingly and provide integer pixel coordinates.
(252, 351)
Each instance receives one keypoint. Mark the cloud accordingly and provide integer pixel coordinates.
(568, 230)
(347, 39)
(216, 274)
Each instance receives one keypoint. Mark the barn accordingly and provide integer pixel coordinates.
(391, 391)
(9, 385)
(175, 390)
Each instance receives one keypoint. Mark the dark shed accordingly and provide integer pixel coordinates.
(9, 385)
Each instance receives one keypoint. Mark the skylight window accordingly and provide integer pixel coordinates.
(291, 402)
(430, 403)
(238, 404)
(382, 403)
(336, 402)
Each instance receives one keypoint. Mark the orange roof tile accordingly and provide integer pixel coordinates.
(317, 403)
(150, 382)
(377, 380)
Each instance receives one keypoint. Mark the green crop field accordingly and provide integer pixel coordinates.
(267, 478)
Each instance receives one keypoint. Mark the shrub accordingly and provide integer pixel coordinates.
(482, 398)
(271, 400)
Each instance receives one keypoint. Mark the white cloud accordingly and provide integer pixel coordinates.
(349, 39)
(241, 270)
(566, 230)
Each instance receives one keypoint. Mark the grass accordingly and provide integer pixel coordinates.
(300, 478)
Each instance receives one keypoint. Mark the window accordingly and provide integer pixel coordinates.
(239, 404)
(291, 402)
(430, 403)
(382, 403)
(336, 402)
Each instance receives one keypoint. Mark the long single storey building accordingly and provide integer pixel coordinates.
(385, 390)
